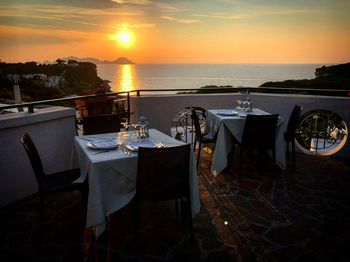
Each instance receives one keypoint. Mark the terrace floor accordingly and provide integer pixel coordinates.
(289, 216)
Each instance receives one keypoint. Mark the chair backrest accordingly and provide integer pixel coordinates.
(34, 157)
(100, 106)
(121, 108)
(197, 127)
(163, 173)
(294, 120)
(260, 131)
(196, 122)
(101, 124)
(95, 106)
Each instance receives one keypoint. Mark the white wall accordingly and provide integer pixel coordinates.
(52, 130)
(161, 109)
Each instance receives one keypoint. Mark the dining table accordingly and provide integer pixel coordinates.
(109, 163)
(228, 124)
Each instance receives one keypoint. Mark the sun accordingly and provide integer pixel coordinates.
(124, 38)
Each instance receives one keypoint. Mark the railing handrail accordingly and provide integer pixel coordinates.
(49, 101)
(241, 88)
(30, 105)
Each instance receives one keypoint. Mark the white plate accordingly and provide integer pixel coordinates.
(103, 144)
(134, 146)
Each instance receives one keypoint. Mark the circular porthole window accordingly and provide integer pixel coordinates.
(321, 132)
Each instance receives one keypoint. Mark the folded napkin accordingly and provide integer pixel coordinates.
(226, 112)
(255, 111)
(104, 144)
(142, 143)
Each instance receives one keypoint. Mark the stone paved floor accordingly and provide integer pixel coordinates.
(289, 216)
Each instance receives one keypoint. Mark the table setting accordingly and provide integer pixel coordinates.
(122, 142)
(125, 141)
(109, 161)
(239, 113)
(228, 123)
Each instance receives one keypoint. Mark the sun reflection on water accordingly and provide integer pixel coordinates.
(126, 78)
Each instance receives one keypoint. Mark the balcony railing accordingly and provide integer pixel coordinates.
(323, 92)
(315, 134)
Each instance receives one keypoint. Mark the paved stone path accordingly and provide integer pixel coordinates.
(289, 216)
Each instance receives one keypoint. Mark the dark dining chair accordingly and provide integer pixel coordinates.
(183, 123)
(51, 184)
(259, 133)
(163, 174)
(200, 137)
(95, 106)
(289, 135)
(98, 124)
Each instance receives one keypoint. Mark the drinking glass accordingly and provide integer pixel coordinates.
(239, 105)
(249, 104)
(126, 126)
(123, 137)
(245, 105)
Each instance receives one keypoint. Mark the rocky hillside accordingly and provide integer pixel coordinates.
(326, 77)
(79, 78)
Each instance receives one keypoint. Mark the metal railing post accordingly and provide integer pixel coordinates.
(30, 109)
(128, 106)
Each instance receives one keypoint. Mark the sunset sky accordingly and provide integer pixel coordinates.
(202, 31)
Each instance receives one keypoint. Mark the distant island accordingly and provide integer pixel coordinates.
(120, 60)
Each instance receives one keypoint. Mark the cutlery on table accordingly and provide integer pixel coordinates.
(160, 144)
(125, 150)
(94, 139)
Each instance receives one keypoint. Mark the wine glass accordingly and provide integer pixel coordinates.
(243, 105)
(249, 104)
(239, 103)
(123, 135)
(126, 127)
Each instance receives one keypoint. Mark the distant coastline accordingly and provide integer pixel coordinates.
(119, 60)
(336, 77)
(326, 77)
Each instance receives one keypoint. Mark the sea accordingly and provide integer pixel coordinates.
(188, 76)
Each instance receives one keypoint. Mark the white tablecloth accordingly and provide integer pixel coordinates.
(226, 126)
(112, 177)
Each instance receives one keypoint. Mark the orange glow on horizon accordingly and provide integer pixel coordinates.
(177, 33)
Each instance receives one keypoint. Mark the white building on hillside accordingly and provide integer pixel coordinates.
(55, 81)
(36, 76)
